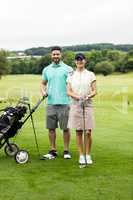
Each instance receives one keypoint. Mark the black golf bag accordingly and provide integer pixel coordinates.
(11, 120)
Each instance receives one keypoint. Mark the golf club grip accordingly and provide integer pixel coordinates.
(38, 103)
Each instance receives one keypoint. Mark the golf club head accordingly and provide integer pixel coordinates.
(42, 158)
(45, 158)
(82, 166)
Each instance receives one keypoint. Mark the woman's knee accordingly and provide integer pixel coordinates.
(89, 132)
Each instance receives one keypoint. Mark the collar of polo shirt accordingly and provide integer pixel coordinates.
(56, 65)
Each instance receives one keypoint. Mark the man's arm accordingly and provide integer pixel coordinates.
(43, 88)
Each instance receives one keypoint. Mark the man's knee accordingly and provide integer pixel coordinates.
(52, 131)
(66, 131)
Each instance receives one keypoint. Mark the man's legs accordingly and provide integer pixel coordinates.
(52, 139)
(66, 138)
(63, 113)
(51, 124)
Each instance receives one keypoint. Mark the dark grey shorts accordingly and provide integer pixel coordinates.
(57, 114)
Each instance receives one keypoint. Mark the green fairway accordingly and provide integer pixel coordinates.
(111, 175)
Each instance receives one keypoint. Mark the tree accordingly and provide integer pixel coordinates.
(43, 62)
(120, 62)
(4, 68)
(113, 55)
(130, 53)
(129, 65)
(92, 58)
(68, 58)
(104, 67)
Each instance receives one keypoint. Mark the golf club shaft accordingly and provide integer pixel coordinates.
(32, 121)
(34, 108)
(37, 146)
(84, 132)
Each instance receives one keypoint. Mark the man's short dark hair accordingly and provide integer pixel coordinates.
(56, 48)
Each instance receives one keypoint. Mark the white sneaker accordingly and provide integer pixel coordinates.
(67, 155)
(48, 156)
(82, 160)
(89, 160)
(51, 155)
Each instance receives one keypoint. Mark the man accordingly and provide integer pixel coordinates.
(54, 84)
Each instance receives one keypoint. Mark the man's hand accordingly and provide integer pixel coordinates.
(45, 94)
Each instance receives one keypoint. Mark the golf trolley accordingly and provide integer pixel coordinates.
(11, 121)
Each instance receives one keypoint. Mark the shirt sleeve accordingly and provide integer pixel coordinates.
(44, 75)
(69, 79)
(93, 77)
(70, 71)
(69, 76)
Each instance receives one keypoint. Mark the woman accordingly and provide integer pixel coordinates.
(82, 85)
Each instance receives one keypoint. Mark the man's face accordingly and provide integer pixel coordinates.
(56, 56)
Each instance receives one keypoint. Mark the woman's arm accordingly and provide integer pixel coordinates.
(71, 93)
(93, 90)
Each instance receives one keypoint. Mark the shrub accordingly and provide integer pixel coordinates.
(104, 67)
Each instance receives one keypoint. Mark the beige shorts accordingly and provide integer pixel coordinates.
(76, 119)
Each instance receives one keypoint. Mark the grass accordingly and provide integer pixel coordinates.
(111, 175)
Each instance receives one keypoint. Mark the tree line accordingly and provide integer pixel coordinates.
(84, 47)
(104, 62)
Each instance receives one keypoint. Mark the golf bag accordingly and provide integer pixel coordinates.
(11, 121)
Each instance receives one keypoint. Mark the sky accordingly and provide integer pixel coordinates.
(34, 23)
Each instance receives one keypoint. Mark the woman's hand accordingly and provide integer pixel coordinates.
(77, 97)
(88, 97)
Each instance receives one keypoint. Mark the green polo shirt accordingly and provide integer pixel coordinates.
(56, 75)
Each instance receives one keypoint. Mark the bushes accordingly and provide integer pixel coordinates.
(129, 65)
(104, 67)
(104, 62)
(4, 68)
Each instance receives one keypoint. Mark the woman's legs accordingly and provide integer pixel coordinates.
(88, 141)
(88, 146)
(80, 144)
(79, 134)
(79, 139)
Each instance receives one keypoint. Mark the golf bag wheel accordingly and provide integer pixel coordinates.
(22, 157)
(11, 149)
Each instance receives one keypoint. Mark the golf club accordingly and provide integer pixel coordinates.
(83, 104)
